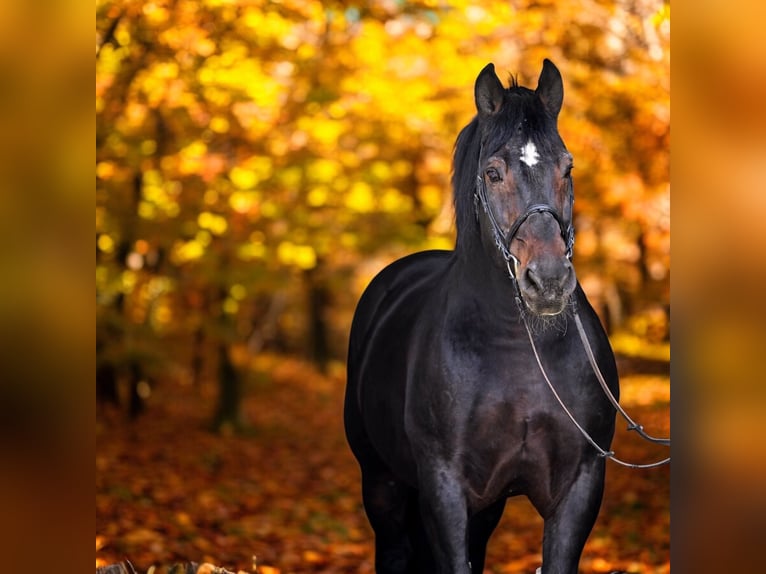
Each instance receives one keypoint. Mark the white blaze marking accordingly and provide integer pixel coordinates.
(529, 154)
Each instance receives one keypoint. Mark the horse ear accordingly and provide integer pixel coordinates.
(488, 91)
(550, 88)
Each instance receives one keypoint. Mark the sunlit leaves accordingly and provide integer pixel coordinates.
(245, 202)
(318, 196)
(253, 250)
(157, 82)
(250, 172)
(393, 201)
(216, 224)
(302, 256)
(233, 74)
(307, 517)
(156, 14)
(360, 198)
(243, 178)
(159, 197)
(328, 130)
(189, 250)
(105, 243)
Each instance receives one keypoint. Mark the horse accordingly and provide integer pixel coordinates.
(446, 409)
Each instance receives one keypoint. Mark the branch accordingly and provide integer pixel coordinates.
(109, 35)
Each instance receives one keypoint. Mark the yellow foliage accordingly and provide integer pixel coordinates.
(217, 3)
(147, 210)
(292, 119)
(230, 306)
(128, 280)
(393, 201)
(163, 315)
(187, 251)
(148, 147)
(191, 157)
(360, 198)
(203, 237)
(244, 201)
(323, 170)
(122, 35)
(219, 124)
(302, 256)
(381, 170)
(431, 196)
(243, 178)
(155, 14)
(318, 196)
(325, 131)
(437, 242)
(238, 291)
(216, 224)
(269, 209)
(104, 169)
(105, 243)
(250, 251)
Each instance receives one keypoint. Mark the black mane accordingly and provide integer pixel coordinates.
(464, 172)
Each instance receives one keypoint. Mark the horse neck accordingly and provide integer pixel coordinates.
(480, 272)
(478, 266)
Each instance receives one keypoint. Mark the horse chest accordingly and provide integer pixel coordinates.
(490, 416)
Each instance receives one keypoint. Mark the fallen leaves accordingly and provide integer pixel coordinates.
(190, 568)
(168, 491)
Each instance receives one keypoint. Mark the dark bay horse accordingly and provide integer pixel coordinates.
(446, 409)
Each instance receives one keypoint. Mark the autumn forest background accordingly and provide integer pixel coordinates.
(256, 164)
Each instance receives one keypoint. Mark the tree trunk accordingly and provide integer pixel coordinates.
(228, 414)
(198, 351)
(137, 404)
(318, 301)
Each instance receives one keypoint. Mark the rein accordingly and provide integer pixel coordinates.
(632, 425)
(567, 233)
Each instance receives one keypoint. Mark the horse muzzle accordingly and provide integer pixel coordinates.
(547, 284)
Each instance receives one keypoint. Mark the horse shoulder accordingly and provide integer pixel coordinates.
(380, 344)
(391, 286)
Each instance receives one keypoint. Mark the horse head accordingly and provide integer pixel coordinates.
(524, 184)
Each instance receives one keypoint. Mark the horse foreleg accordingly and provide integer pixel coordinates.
(444, 512)
(481, 527)
(569, 524)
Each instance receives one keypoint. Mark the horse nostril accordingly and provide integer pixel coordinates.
(533, 280)
(568, 274)
(550, 279)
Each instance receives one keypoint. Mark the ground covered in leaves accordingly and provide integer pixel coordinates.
(284, 497)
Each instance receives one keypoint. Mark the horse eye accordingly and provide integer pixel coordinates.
(494, 175)
(567, 163)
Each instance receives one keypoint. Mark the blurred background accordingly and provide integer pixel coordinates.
(256, 164)
(259, 162)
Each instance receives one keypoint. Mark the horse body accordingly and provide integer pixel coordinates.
(446, 409)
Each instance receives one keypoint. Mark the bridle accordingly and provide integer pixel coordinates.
(503, 240)
(503, 243)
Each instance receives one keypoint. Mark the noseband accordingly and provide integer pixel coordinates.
(503, 241)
